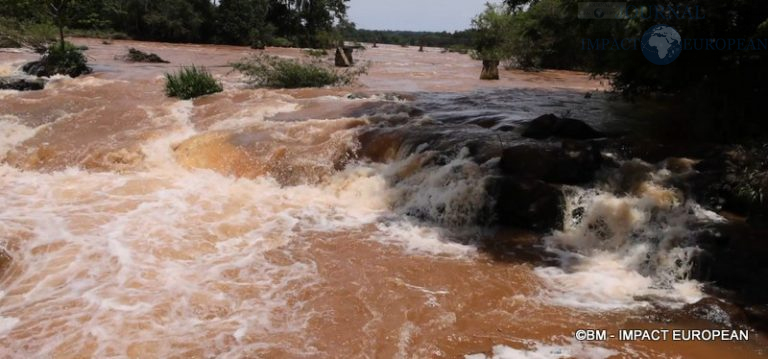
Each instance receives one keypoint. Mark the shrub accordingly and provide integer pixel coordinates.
(191, 82)
(36, 36)
(280, 42)
(276, 72)
(316, 53)
(64, 59)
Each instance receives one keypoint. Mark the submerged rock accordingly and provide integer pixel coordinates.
(572, 163)
(552, 126)
(5, 261)
(21, 84)
(526, 203)
(135, 55)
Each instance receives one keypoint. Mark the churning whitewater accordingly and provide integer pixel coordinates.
(264, 223)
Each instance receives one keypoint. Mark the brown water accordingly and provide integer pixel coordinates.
(244, 224)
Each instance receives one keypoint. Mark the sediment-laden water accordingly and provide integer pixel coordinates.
(331, 223)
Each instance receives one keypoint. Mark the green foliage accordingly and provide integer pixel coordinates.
(493, 28)
(276, 72)
(316, 53)
(33, 35)
(256, 23)
(63, 59)
(280, 42)
(191, 82)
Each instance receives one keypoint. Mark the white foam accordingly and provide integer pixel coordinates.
(12, 133)
(6, 324)
(625, 251)
(536, 350)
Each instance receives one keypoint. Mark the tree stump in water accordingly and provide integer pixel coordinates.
(421, 48)
(490, 70)
(344, 57)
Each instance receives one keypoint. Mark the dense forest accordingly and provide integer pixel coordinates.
(309, 23)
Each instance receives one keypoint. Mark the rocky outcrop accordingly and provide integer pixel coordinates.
(21, 84)
(135, 55)
(5, 261)
(527, 203)
(548, 126)
(344, 57)
(572, 163)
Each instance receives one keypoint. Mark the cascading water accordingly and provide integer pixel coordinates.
(261, 223)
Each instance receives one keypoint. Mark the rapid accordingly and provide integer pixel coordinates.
(322, 223)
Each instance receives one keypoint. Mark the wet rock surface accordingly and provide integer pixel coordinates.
(548, 126)
(527, 203)
(570, 163)
(22, 84)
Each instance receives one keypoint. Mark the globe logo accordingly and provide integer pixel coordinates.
(662, 44)
(599, 13)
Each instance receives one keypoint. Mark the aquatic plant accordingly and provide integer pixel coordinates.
(277, 72)
(191, 82)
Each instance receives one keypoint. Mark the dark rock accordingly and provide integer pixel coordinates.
(344, 57)
(506, 128)
(21, 84)
(552, 126)
(718, 311)
(47, 68)
(528, 204)
(135, 55)
(733, 258)
(486, 122)
(5, 261)
(572, 163)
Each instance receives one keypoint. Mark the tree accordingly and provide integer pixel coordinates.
(60, 12)
(492, 39)
(242, 22)
(317, 18)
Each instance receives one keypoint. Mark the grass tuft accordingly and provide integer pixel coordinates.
(191, 82)
(275, 72)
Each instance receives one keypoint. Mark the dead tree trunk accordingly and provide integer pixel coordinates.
(490, 70)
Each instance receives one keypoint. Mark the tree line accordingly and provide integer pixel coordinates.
(306, 23)
(442, 39)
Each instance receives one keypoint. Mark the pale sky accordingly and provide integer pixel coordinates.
(415, 15)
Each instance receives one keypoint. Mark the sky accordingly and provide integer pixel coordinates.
(415, 15)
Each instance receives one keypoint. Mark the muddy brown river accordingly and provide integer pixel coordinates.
(245, 224)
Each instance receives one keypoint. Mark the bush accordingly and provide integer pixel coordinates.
(316, 53)
(276, 72)
(280, 42)
(64, 59)
(191, 82)
(36, 36)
